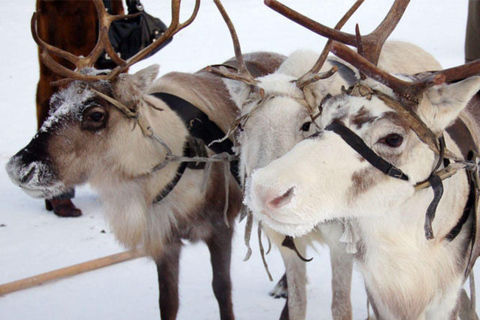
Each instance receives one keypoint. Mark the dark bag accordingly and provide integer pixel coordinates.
(129, 36)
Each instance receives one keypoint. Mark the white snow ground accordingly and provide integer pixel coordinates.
(33, 241)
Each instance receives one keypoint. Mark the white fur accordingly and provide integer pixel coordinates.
(274, 128)
(407, 276)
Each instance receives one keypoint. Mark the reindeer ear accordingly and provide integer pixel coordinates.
(144, 78)
(239, 91)
(315, 92)
(444, 102)
(128, 88)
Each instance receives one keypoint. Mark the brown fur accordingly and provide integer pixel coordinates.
(117, 159)
(362, 117)
(364, 181)
(71, 26)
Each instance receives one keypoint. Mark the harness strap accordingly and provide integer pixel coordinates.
(470, 206)
(200, 126)
(193, 147)
(354, 141)
(202, 132)
(437, 186)
(178, 175)
(197, 122)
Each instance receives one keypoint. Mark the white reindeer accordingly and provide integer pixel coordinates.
(277, 115)
(116, 130)
(414, 265)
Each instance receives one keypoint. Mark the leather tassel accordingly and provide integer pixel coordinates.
(248, 235)
(262, 251)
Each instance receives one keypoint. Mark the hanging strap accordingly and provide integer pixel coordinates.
(437, 186)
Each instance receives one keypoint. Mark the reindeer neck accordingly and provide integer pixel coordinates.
(401, 267)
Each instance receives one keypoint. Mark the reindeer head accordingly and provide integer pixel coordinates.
(277, 114)
(325, 177)
(85, 133)
(91, 132)
(277, 110)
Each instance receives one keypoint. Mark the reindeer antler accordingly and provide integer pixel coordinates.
(372, 43)
(103, 44)
(242, 74)
(405, 89)
(313, 75)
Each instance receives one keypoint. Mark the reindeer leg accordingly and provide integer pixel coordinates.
(295, 270)
(284, 315)
(167, 269)
(342, 267)
(220, 246)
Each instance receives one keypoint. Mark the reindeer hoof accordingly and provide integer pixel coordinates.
(63, 208)
(279, 291)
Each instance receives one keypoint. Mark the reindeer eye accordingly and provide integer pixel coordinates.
(393, 140)
(306, 126)
(96, 116)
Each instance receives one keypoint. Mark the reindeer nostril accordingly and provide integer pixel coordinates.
(28, 176)
(282, 200)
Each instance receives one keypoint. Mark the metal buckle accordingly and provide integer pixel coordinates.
(396, 173)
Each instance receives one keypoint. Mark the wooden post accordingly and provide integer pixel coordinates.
(70, 271)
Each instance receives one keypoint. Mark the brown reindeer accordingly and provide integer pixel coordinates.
(71, 26)
(119, 132)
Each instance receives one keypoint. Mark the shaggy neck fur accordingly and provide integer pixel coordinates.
(402, 268)
(129, 188)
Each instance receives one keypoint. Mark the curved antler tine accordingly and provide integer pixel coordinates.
(461, 72)
(310, 24)
(366, 67)
(373, 42)
(192, 17)
(103, 41)
(311, 76)
(174, 27)
(404, 89)
(65, 72)
(49, 48)
(243, 74)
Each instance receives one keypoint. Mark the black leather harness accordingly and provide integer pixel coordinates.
(356, 143)
(202, 132)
